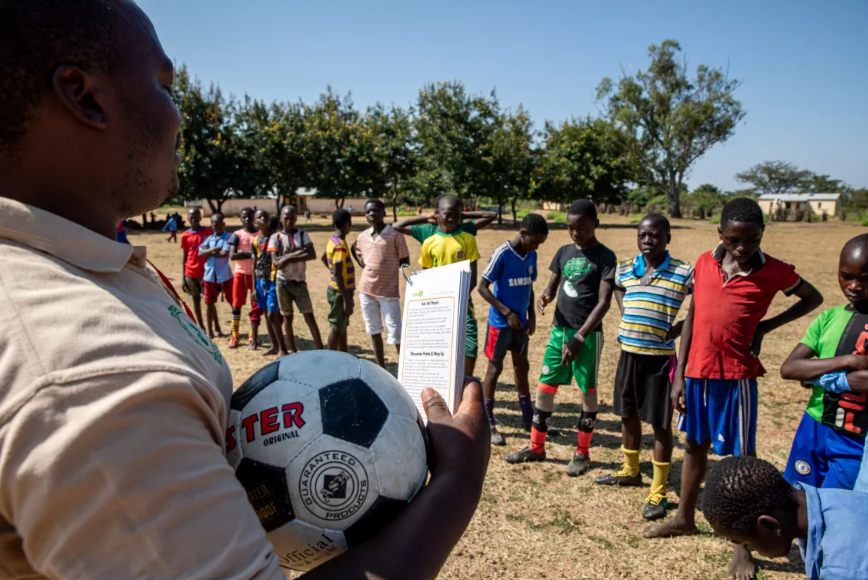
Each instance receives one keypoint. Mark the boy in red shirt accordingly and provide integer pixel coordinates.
(733, 287)
(194, 264)
(242, 244)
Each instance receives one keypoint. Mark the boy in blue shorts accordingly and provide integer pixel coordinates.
(511, 320)
(829, 443)
(264, 272)
(734, 285)
(585, 272)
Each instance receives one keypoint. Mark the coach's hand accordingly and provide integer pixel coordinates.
(677, 394)
(460, 445)
(513, 320)
(571, 349)
(541, 304)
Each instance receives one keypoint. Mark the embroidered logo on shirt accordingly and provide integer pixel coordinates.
(195, 333)
(802, 467)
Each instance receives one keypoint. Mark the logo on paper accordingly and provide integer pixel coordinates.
(417, 294)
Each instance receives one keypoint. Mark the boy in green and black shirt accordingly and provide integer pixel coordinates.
(586, 271)
(829, 443)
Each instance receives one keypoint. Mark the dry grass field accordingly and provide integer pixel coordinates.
(533, 521)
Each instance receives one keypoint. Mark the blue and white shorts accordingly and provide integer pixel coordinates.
(722, 411)
(824, 457)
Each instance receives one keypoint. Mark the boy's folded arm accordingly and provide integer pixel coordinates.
(858, 381)
(801, 366)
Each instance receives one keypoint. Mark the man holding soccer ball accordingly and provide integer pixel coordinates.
(113, 403)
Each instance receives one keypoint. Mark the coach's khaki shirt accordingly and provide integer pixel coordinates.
(113, 411)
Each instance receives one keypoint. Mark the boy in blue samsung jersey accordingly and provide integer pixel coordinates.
(512, 271)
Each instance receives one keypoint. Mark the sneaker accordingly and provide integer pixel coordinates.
(578, 465)
(620, 477)
(524, 456)
(497, 437)
(655, 506)
(233, 341)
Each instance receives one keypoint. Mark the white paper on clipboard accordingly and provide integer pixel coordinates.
(433, 333)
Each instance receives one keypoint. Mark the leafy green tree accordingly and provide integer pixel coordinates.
(454, 134)
(216, 162)
(671, 120)
(340, 149)
(277, 136)
(703, 200)
(512, 162)
(772, 177)
(394, 149)
(582, 158)
(822, 184)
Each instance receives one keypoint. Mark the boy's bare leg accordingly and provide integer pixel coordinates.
(314, 330)
(276, 344)
(290, 336)
(342, 341)
(377, 342)
(197, 310)
(469, 365)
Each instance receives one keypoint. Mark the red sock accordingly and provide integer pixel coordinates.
(584, 443)
(537, 440)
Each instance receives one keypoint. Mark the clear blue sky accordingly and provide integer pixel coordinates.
(804, 65)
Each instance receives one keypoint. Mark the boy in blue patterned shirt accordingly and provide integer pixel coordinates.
(649, 289)
(511, 320)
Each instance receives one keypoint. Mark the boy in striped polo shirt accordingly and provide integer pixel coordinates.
(380, 251)
(715, 382)
(649, 289)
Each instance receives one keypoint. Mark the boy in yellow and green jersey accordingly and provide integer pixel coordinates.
(342, 283)
(448, 242)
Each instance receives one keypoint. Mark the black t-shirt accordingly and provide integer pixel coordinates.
(581, 273)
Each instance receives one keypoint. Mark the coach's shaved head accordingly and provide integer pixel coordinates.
(88, 129)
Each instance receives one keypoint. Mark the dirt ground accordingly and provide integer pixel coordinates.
(533, 521)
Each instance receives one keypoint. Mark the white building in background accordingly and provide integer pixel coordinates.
(819, 203)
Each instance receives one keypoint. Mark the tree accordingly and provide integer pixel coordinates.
(454, 133)
(394, 149)
(511, 160)
(340, 148)
(278, 137)
(703, 200)
(582, 158)
(670, 120)
(771, 177)
(822, 184)
(216, 162)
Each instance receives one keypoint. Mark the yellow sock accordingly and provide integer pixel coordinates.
(236, 327)
(661, 475)
(631, 461)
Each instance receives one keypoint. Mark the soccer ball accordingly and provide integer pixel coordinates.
(330, 449)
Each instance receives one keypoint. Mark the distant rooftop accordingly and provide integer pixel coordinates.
(801, 197)
(305, 191)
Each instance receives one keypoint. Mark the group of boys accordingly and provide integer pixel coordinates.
(713, 385)
(270, 267)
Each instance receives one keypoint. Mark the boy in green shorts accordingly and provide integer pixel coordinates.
(343, 281)
(587, 269)
(451, 240)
